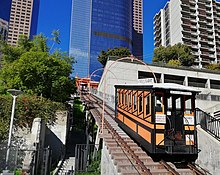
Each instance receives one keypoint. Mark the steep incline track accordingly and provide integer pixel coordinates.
(128, 157)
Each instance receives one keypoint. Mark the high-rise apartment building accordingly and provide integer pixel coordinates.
(195, 23)
(98, 25)
(138, 28)
(23, 19)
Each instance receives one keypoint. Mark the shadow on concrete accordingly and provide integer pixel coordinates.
(56, 145)
(77, 133)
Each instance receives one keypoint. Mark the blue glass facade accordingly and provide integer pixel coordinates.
(5, 9)
(80, 36)
(111, 27)
(34, 18)
(98, 25)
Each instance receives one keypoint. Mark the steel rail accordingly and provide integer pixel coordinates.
(168, 167)
(123, 144)
(195, 169)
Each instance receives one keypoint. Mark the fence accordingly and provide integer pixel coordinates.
(87, 158)
(109, 99)
(208, 123)
(33, 161)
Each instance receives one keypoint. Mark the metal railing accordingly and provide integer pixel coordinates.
(26, 159)
(87, 158)
(208, 123)
(109, 99)
(217, 115)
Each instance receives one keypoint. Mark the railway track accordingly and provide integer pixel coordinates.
(127, 155)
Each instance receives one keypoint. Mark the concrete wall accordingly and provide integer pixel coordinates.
(35, 141)
(209, 157)
(175, 22)
(56, 135)
(107, 165)
(53, 136)
(127, 73)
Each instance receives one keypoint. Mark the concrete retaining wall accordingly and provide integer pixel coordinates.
(209, 157)
(56, 135)
(107, 164)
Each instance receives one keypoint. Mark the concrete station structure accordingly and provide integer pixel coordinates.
(208, 82)
(127, 72)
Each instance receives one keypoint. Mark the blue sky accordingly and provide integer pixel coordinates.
(56, 14)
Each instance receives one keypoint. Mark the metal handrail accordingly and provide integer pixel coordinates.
(208, 123)
(217, 115)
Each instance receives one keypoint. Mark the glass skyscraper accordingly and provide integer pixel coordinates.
(5, 8)
(97, 25)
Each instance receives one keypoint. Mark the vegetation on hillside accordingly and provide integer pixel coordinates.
(215, 66)
(27, 108)
(118, 52)
(31, 68)
(177, 55)
(41, 73)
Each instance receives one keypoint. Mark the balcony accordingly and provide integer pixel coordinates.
(192, 2)
(204, 34)
(209, 24)
(207, 57)
(203, 22)
(193, 27)
(157, 38)
(210, 37)
(196, 53)
(206, 48)
(206, 61)
(193, 21)
(209, 18)
(210, 43)
(157, 31)
(186, 16)
(157, 43)
(194, 47)
(201, 3)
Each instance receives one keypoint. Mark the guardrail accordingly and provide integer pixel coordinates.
(208, 123)
(109, 99)
(217, 115)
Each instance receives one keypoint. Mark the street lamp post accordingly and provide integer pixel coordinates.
(14, 93)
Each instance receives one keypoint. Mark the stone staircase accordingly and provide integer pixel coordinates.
(67, 167)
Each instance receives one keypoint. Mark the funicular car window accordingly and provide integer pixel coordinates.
(159, 103)
(130, 99)
(188, 105)
(122, 98)
(140, 103)
(126, 99)
(148, 105)
(135, 101)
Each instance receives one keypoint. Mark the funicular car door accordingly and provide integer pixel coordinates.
(174, 110)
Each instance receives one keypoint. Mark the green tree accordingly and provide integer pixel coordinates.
(27, 108)
(24, 43)
(36, 71)
(39, 43)
(179, 52)
(119, 52)
(215, 66)
(9, 53)
(55, 38)
(174, 63)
